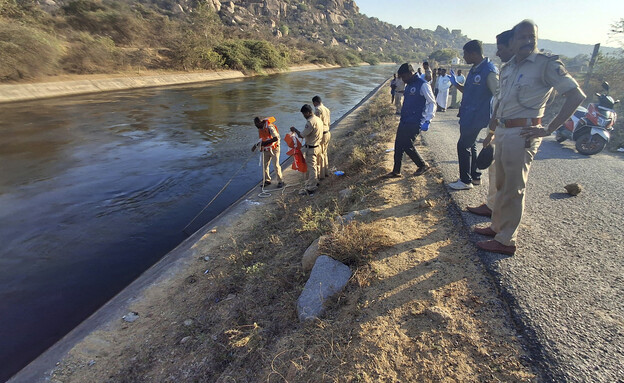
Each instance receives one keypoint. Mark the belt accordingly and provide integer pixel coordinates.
(311, 146)
(400, 91)
(327, 131)
(521, 122)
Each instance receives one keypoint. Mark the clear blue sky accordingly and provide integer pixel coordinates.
(583, 22)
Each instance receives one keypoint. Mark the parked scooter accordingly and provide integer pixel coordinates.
(590, 127)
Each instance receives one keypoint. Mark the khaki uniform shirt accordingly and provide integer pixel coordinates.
(525, 87)
(323, 113)
(313, 132)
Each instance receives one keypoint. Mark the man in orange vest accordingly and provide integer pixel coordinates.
(270, 146)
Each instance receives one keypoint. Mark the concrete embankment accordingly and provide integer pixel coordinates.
(34, 91)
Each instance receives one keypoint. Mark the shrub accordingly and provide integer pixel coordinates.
(88, 54)
(26, 52)
(250, 54)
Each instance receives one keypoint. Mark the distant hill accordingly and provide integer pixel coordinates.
(560, 48)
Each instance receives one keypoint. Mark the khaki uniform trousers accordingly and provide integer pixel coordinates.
(324, 162)
(491, 196)
(267, 156)
(513, 162)
(312, 157)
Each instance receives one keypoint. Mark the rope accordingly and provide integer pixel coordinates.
(219, 193)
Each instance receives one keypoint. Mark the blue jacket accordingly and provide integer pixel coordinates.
(413, 102)
(475, 107)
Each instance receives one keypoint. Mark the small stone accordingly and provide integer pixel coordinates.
(131, 317)
(346, 193)
(573, 189)
(213, 230)
(206, 258)
(185, 339)
(91, 362)
(188, 322)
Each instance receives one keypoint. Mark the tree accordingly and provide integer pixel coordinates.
(443, 55)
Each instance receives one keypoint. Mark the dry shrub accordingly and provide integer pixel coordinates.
(315, 220)
(88, 54)
(356, 243)
(26, 52)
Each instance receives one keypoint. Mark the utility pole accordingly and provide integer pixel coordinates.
(591, 66)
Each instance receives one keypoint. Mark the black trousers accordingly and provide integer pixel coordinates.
(467, 153)
(404, 143)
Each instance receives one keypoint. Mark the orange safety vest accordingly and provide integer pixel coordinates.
(265, 134)
(294, 143)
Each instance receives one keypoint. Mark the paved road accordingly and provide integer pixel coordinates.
(565, 284)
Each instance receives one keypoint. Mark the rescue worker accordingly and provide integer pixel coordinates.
(324, 114)
(313, 134)
(526, 84)
(417, 111)
(269, 145)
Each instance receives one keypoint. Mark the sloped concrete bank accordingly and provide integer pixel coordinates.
(171, 266)
(34, 91)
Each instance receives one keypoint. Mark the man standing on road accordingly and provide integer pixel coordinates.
(428, 76)
(398, 94)
(313, 134)
(323, 113)
(505, 52)
(416, 114)
(526, 84)
(444, 84)
(474, 112)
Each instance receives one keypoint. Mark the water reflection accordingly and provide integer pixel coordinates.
(95, 189)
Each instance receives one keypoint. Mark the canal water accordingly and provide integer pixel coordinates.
(95, 189)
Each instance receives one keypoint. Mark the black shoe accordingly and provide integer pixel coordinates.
(393, 175)
(422, 170)
(267, 183)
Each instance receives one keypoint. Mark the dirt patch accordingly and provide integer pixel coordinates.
(420, 306)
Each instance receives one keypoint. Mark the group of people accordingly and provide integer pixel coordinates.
(438, 79)
(511, 106)
(316, 135)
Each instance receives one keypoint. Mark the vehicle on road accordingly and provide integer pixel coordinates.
(590, 127)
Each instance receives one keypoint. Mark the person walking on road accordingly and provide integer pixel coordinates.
(504, 51)
(393, 87)
(324, 114)
(313, 134)
(269, 144)
(474, 111)
(417, 112)
(526, 84)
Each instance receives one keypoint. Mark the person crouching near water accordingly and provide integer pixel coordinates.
(270, 147)
(313, 135)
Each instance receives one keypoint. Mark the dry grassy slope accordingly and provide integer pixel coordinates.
(419, 307)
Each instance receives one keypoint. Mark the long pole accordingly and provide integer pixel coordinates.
(591, 66)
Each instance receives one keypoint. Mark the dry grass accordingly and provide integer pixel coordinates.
(418, 307)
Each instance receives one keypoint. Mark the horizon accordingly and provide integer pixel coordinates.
(564, 28)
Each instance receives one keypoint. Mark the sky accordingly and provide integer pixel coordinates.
(583, 22)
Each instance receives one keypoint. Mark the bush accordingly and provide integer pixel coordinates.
(88, 54)
(253, 55)
(26, 52)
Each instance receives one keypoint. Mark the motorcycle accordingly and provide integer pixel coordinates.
(590, 127)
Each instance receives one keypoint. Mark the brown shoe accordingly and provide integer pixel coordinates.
(393, 175)
(485, 231)
(482, 209)
(496, 247)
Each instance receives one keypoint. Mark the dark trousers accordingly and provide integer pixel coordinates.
(404, 143)
(467, 153)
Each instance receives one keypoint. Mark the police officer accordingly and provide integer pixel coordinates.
(324, 114)
(418, 109)
(526, 83)
(313, 134)
(474, 111)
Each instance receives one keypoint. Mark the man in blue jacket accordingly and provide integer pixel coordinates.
(474, 112)
(418, 109)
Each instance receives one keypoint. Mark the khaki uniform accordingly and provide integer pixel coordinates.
(313, 134)
(272, 155)
(323, 113)
(525, 88)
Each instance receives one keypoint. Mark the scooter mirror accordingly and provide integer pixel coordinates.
(605, 86)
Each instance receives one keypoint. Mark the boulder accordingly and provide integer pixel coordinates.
(310, 255)
(353, 215)
(345, 193)
(328, 277)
